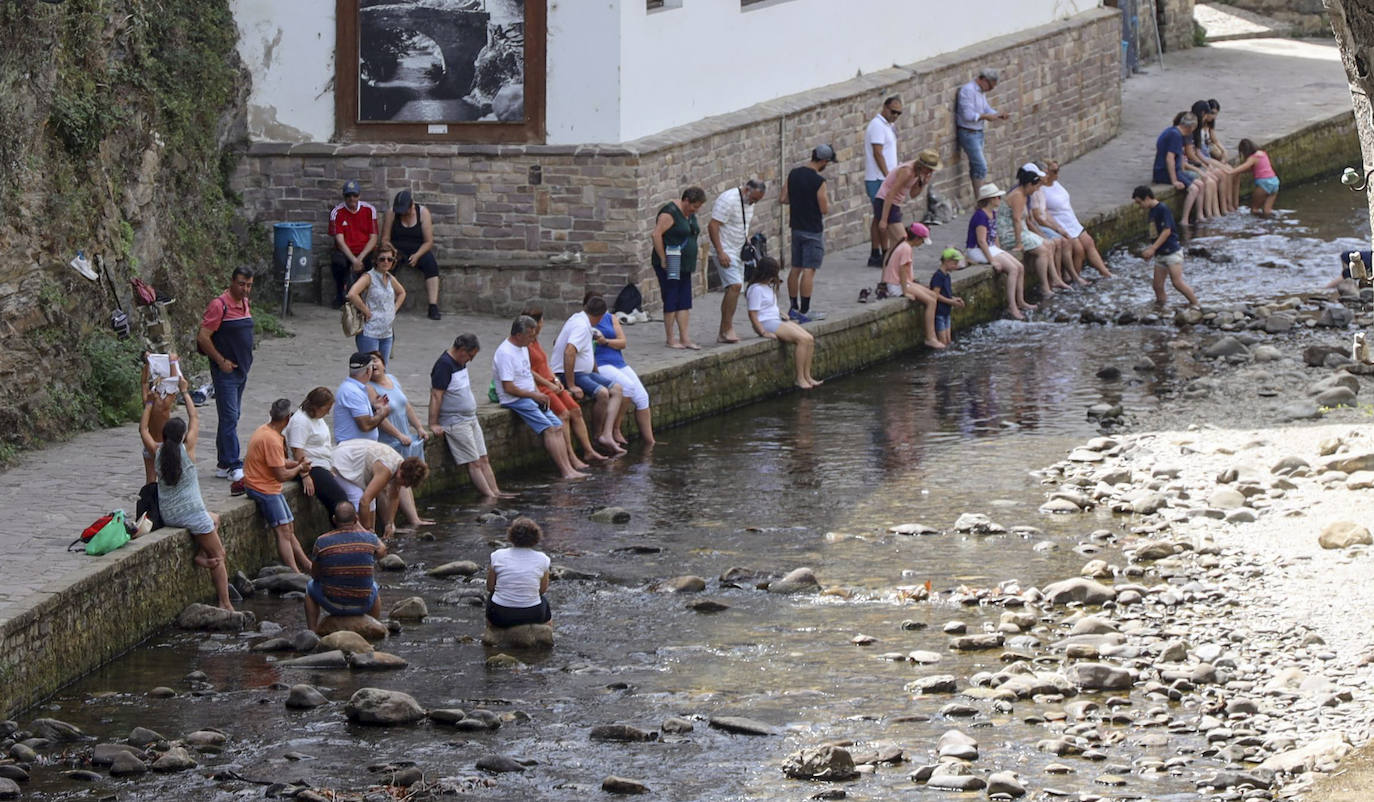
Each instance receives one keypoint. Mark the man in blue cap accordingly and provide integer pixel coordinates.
(353, 226)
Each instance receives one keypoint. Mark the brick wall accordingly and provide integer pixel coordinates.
(496, 228)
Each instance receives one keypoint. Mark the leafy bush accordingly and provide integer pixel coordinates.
(114, 369)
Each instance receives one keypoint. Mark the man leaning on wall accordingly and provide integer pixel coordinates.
(972, 113)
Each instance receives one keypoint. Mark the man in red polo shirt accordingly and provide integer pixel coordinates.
(353, 225)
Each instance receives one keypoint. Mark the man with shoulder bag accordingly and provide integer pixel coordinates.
(731, 216)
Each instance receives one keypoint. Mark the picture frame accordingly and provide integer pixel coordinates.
(464, 71)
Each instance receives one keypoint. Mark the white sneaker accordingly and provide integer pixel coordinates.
(236, 475)
(222, 473)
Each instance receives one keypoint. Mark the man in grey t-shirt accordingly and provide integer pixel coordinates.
(453, 413)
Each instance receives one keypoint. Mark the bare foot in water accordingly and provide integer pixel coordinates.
(1016, 314)
(936, 344)
(575, 475)
(578, 464)
(1030, 307)
(816, 382)
(611, 447)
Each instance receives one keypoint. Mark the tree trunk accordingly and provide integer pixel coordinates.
(1352, 21)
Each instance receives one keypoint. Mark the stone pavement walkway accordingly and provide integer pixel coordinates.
(1267, 88)
(1223, 22)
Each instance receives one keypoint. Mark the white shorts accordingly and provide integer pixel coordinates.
(629, 382)
(893, 290)
(1170, 259)
(352, 491)
(975, 254)
(465, 441)
(771, 324)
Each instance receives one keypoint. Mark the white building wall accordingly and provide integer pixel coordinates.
(705, 57)
(617, 72)
(289, 49)
(583, 69)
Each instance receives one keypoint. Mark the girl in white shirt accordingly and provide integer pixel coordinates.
(762, 296)
(517, 579)
(307, 435)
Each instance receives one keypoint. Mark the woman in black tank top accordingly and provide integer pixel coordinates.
(408, 226)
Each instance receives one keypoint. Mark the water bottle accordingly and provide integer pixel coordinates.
(1359, 350)
(202, 394)
(674, 263)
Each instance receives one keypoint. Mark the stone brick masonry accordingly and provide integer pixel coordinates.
(501, 212)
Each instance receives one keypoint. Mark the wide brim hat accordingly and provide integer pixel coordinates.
(930, 159)
(989, 191)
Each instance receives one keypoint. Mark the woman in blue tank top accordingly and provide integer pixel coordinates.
(609, 351)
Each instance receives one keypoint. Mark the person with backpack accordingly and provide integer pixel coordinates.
(226, 337)
(728, 230)
(178, 490)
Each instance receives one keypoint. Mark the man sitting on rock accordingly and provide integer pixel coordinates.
(343, 564)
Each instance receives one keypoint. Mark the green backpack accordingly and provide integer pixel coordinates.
(110, 536)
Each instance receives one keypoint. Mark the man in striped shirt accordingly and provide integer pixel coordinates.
(342, 567)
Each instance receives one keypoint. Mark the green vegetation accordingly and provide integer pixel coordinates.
(127, 104)
(266, 324)
(112, 377)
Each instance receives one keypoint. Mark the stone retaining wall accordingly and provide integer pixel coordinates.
(501, 212)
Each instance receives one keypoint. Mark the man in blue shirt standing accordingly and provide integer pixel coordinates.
(354, 415)
(1170, 163)
(1166, 246)
(972, 112)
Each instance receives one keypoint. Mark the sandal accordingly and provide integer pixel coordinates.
(863, 295)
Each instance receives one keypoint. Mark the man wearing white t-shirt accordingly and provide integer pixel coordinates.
(880, 158)
(516, 391)
(731, 215)
(573, 349)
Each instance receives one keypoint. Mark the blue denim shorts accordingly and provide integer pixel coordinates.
(538, 419)
(273, 507)
(589, 383)
(1269, 185)
(808, 249)
(316, 591)
(1187, 177)
(872, 187)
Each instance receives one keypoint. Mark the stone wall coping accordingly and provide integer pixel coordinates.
(788, 105)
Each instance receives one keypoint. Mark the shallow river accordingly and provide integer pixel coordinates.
(810, 480)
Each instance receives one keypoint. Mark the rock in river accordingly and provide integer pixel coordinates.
(456, 568)
(740, 725)
(958, 745)
(55, 730)
(621, 732)
(344, 641)
(364, 625)
(681, 584)
(801, 580)
(1099, 676)
(127, 765)
(412, 608)
(1343, 534)
(820, 763)
(304, 697)
(525, 636)
(1078, 589)
(611, 515)
(385, 708)
(498, 764)
(207, 618)
(174, 759)
(979, 524)
(1006, 784)
(623, 785)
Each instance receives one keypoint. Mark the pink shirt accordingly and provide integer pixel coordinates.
(890, 191)
(1263, 169)
(897, 270)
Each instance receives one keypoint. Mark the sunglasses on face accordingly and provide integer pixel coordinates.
(385, 259)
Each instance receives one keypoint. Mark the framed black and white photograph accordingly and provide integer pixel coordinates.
(445, 70)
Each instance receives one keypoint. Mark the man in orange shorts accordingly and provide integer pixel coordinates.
(561, 402)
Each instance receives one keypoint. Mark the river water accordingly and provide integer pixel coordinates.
(803, 480)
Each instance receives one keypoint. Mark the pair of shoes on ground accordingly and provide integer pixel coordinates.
(631, 318)
(864, 294)
(235, 477)
(434, 312)
(875, 260)
(797, 316)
